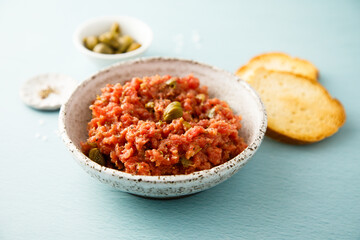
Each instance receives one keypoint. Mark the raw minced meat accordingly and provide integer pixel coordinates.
(130, 130)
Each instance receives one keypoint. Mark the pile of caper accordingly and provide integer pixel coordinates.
(111, 42)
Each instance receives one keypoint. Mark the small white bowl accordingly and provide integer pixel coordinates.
(137, 29)
(75, 114)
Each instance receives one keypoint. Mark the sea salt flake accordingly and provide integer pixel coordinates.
(57, 132)
(41, 122)
(195, 36)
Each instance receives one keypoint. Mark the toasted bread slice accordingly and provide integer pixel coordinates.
(278, 62)
(299, 110)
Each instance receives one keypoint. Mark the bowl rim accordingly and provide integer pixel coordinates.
(241, 159)
(80, 46)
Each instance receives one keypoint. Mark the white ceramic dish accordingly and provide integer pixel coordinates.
(137, 29)
(60, 85)
(75, 114)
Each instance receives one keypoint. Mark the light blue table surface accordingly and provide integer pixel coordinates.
(284, 192)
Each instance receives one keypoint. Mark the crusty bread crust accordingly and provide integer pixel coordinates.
(279, 62)
(299, 110)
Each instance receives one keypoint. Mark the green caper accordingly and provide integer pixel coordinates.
(90, 42)
(105, 37)
(125, 41)
(186, 162)
(194, 153)
(197, 151)
(115, 28)
(186, 125)
(201, 97)
(110, 39)
(173, 111)
(114, 43)
(150, 105)
(171, 83)
(92, 144)
(96, 156)
(133, 46)
(103, 48)
(211, 113)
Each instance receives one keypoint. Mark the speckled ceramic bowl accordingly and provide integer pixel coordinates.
(75, 114)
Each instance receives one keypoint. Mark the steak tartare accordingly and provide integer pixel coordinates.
(161, 125)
